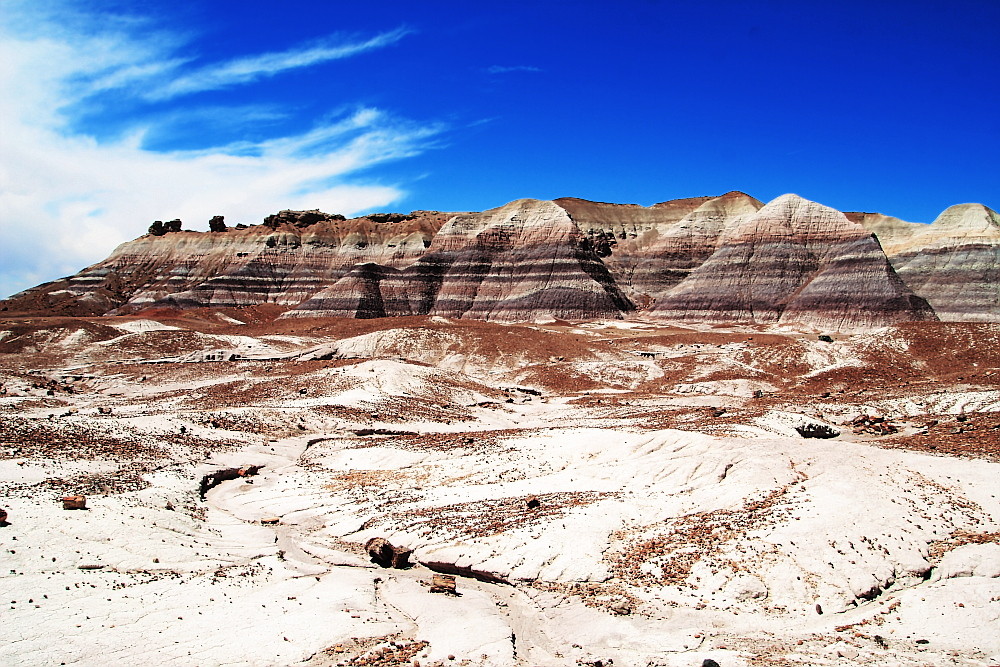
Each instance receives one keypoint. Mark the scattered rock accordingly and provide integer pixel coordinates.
(843, 650)
(873, 424)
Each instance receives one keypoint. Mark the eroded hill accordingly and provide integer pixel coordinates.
(709, 259)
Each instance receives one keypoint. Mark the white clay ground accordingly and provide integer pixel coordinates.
(650, 546)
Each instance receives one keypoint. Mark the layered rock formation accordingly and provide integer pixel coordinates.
(688, 244)
(285, 261)
(649, 250)
(795, 261)
(712, 259)
(954, 262)
(514, 263)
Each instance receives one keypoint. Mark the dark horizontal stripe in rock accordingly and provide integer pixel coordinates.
(238, 289)
(343, 303)
(561, 302)
(533, 271)
(254, 287)
(989, 248)
(240, 283)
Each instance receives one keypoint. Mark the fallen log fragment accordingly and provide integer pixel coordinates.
(443, 583)
(387, 555)
(813, 430)
(74, 502)
(212, 480)
(381, 431)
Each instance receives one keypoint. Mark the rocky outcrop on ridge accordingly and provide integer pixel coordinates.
(795, 261)
(954, 262)
(300, 219)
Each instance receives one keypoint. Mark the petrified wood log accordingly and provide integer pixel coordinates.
(212, 480)
(74, 502)
(813, 430)
(443, 583)
(386, 555)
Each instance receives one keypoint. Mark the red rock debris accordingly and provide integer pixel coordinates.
(691, 538)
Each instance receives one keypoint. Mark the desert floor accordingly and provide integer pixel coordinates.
(619, 492)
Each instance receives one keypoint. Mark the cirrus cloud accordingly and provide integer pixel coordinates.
(68, 197)
(248, 69)
(506, 69)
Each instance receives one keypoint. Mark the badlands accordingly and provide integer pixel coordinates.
(708, 432)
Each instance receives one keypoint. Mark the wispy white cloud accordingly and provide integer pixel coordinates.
(67, 198)
(251, 68)
(504, 69)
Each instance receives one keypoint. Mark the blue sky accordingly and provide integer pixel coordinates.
(126, 112)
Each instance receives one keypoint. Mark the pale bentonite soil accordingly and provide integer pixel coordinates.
(618, 493)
